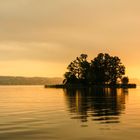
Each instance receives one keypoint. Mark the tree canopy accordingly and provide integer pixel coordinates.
(103, 69)
(125, 80)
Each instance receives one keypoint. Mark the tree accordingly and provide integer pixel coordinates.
(99, 66)
(116, 69)
(78, 70)
(103, 69)
(107, 69)
(69, 78)
(125, 80)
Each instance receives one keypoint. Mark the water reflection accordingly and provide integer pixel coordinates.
(97, 104)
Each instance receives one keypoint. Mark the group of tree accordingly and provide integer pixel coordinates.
(103, 69)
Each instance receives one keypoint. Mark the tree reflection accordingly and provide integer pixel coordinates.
(100, 104)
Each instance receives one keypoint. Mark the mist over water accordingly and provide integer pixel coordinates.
(36, 113)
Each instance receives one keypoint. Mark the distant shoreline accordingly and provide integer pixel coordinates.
(19, 80)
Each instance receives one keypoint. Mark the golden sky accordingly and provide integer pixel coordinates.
(41, 37)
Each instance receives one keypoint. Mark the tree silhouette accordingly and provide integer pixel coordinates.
(103, 69)
(100, 68)
(125, 80)
(107, 69)
(78, 70)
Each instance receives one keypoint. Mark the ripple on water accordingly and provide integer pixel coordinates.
(50, 114)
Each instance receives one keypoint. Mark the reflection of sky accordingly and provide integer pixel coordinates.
(38, 36)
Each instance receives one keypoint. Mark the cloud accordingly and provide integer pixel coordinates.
(56, 31)
(61, 21)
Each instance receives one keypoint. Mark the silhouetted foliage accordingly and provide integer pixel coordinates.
(78, 70)
(103, 69)
(107, 69)
(125, 80)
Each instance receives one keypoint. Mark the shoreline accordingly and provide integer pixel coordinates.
(91, 86)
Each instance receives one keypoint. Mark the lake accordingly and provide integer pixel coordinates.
(38, 113)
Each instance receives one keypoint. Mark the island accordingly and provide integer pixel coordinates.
(104, 71)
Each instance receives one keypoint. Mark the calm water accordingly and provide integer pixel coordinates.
(36, 113)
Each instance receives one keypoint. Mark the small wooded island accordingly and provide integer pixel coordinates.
(103, 71)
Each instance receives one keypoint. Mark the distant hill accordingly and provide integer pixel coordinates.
(11, 80)
(19, 80)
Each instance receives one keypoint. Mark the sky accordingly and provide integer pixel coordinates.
(41, 37)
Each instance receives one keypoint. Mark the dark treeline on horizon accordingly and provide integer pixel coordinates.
(103, 69)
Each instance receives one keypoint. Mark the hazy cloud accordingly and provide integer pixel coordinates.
(55, 31)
